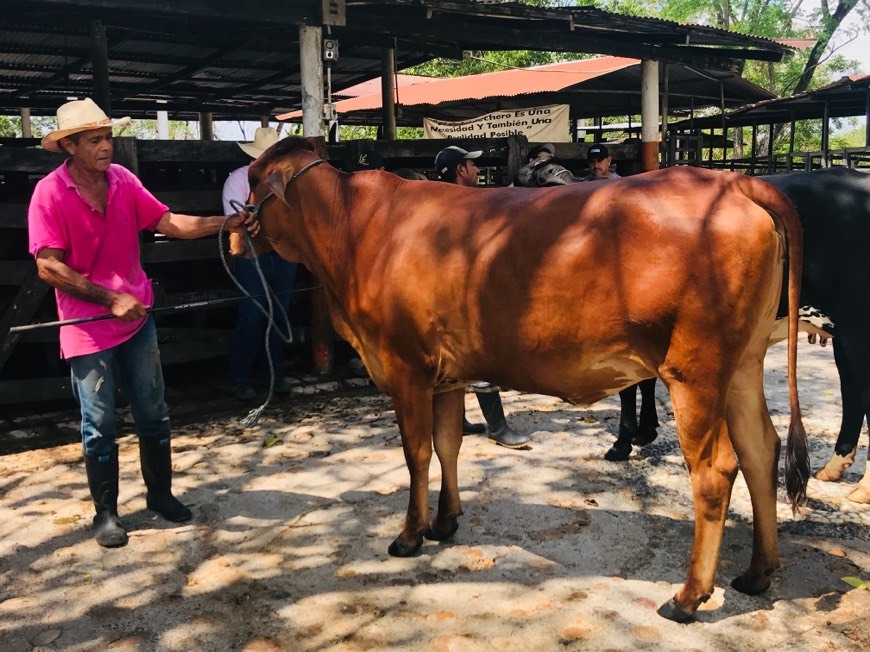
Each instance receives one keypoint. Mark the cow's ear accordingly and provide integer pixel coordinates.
(275, 182)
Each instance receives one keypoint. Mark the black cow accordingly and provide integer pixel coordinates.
(834, 207)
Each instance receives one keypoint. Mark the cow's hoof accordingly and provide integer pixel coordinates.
(645, 436)
(618, 452)
(825, 475)
(860, 495)
(672, 611)
(399, 548)
(835, 468)
(442, 532)
(744, 585)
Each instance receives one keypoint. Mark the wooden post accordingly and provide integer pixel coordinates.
(664, 105)
(206, 126)
(867, 119)
(771, 167)
(26, 131)
(649, 115)
(30, 295)
(126, 154)
(311, 66)
(826, 127)
(388, 92)
(100, 63)
(311, 69)
(518, 149)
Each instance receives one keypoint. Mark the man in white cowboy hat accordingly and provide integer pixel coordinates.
(84, 221)
(248, 338)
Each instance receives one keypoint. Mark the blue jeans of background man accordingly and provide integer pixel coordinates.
(248, 338)
(137, 362)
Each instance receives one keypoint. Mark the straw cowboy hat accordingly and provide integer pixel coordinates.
(76, 116)
(264, 138)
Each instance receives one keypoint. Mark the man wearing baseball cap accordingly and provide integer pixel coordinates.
(456, 165)
(83, 223)
(599, 163)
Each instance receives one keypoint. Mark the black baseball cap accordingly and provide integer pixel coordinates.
(597, 152)
(448, 157)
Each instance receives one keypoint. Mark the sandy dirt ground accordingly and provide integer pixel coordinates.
(557, 549)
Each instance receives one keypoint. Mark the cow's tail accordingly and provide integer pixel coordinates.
(797, 464)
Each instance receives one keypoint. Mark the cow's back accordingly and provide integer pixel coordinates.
(834, 209)
(527, 297)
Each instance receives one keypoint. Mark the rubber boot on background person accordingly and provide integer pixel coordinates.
(469, 428)
(155, 458)
(102, 473)
(497, 428)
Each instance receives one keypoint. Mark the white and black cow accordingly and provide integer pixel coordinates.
(834, 208)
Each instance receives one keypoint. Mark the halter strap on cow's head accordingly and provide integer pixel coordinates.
(254, 209)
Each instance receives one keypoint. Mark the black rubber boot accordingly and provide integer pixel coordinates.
(103, 483)
(469, 428)
(155, 457)
(496, 426)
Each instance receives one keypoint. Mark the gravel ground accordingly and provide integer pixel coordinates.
(557, 549)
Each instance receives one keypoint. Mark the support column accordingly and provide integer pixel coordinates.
(26, 130)
(100, 63)
(664, 106)
(162, 122)
(649, 115)
(206, 126)
(388, 92)
(311, 68)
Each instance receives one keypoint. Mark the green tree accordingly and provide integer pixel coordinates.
(7, 128)
(147, 130)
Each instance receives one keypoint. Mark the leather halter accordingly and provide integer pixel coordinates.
(254, 209)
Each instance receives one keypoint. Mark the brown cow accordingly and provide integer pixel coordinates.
(575, 291)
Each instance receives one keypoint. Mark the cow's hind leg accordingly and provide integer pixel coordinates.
(748, 417)
(703, 436)
(853, 414)
(647, 429)
(630, 430)
(448, 408)
(621, 448)
(413, 407)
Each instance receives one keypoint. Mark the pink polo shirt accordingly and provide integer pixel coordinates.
(102, 248)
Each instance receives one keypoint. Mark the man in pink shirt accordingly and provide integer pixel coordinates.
(84, 221)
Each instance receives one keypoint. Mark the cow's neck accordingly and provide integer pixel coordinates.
(332, 213)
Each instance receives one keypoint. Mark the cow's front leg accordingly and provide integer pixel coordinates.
(448, 410)
(413, 407)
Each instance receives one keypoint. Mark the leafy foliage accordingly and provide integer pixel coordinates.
(774, 19)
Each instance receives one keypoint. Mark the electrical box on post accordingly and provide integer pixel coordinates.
(330, 49)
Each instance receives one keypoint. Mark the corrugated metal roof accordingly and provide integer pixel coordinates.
(846, 97)
(237, 59)
(593, 87)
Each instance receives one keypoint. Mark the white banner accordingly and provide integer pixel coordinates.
(541, 124)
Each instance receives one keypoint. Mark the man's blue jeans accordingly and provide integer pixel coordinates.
(137, 362)
(248, 338)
